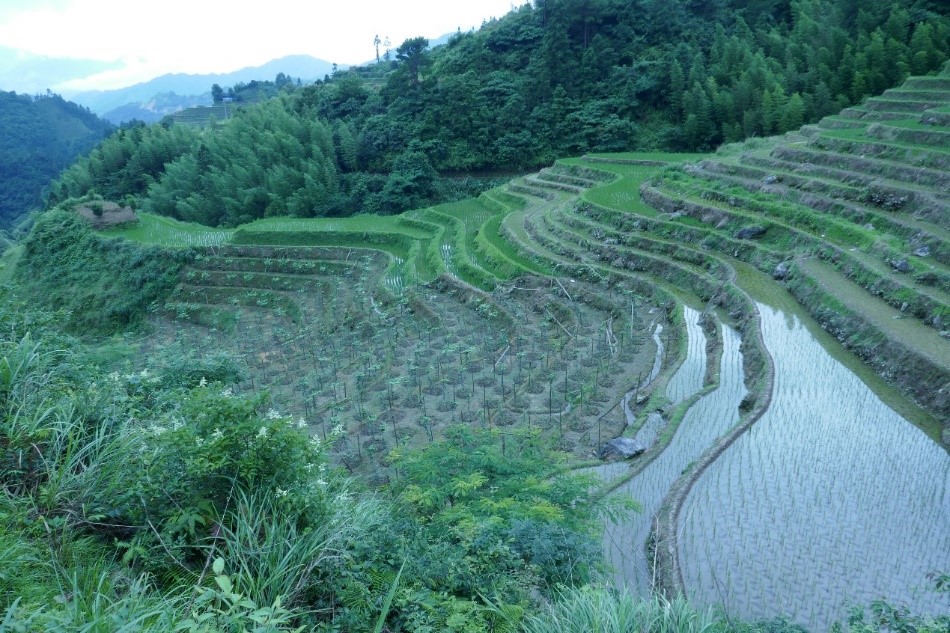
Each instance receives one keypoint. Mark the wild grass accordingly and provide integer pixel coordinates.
(272, 559)
(608, 611)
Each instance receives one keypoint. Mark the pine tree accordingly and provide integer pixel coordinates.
(793, 116)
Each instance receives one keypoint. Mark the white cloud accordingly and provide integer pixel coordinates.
(204, 36)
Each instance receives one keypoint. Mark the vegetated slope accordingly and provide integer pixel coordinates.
(361, 324)
(558, 78)
(102, 286)
(857, 207)
(267, 159)
(851, 219)
(563, 77)
(39, 136)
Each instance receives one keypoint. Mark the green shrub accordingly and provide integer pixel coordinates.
(104, 285)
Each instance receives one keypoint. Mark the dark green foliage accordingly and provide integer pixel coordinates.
(186, 371)
(485, 518)
(561, 556)
(100, 468)
(125, 164)
(562, 77)
(104, 285)
(571, 76)
(39, 136)
(266, 162)
(207, 448)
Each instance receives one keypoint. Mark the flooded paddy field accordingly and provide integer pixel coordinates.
(831, 500)
(711, 416)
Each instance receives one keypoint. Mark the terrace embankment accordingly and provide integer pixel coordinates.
(663, 546)
(850, 215)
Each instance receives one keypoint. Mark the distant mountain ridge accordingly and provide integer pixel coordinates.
(153, 99)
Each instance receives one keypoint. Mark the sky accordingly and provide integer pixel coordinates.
(116, 43)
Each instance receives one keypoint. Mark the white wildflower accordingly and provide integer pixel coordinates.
(199, 441)
(262, 433)
(343, 497)
(281, 493)
(301, 423)
(273, 414)
(338, 429)
(322, 483)
(177, 424)
(202, 382)
(315, 441)
(144, 373)
(227, 393)
(217, 434)
(114, 376)
(308, 467)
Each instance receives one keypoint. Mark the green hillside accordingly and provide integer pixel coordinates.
(39, 137)
(556, 79)
(314, 386)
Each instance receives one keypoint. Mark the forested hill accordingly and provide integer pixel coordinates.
(39, 136)
(550, 79)
(563, 77)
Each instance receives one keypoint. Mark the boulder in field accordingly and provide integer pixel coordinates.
(781, 271)
(620, 448)
(900, 265)
(750, 232)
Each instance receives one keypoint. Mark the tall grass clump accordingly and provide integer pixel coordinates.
(607, 611)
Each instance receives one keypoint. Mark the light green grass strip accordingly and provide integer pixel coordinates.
(168, 232)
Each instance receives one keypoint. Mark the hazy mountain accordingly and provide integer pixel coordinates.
(33, 74)
(157, 107)
(186, 86)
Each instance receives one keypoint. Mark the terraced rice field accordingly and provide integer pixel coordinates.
(317, 328)
(830, 501)
(568, 303)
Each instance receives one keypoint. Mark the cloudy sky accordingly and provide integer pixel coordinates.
(85, 44)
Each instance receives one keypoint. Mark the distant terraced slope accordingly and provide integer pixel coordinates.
(851, 215)
(858, 206)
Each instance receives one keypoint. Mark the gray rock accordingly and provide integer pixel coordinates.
(771, 179)
(781, 271)
(751, 232)
(868, 227)
(923, 251)
(620, 448)
(901, 265)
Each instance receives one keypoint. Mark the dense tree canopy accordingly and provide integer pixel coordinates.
(39, 136)
(553, 78)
